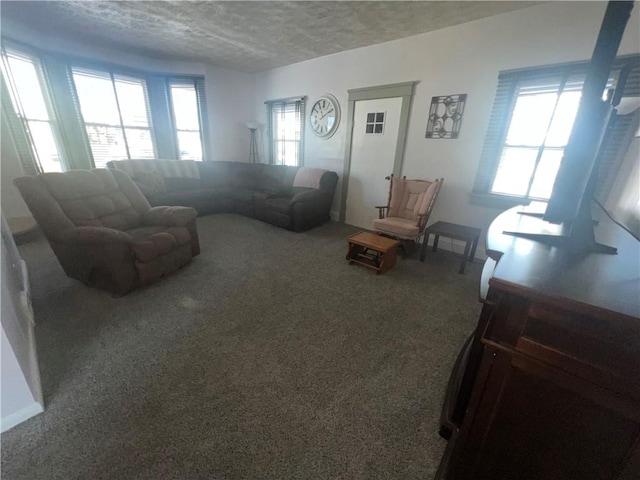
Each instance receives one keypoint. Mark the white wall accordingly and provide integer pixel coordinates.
(20, 395)
(461, 59)
(230, 101)
(624, 201)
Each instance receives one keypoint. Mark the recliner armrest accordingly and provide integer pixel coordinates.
(309, 196)
(169, 216)
(94, 236)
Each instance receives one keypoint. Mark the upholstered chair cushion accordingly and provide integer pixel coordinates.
(410, 198)
(397, 227)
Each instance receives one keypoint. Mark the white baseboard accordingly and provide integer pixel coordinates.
(20, 416)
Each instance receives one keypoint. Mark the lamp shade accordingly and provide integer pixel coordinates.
(253, 125)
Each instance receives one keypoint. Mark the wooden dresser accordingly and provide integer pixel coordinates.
(548, 387)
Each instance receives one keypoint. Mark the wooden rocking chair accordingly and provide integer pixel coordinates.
(407, 212)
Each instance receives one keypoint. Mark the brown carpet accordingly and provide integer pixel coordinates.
(268, 357)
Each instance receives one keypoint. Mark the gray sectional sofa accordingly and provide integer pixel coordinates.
(296, 198)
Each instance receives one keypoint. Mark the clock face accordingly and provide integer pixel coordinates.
(325, 116)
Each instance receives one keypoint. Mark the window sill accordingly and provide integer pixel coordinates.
(493, 200)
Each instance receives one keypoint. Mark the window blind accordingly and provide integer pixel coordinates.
(285, 131)
(116, 114)
(544, 80)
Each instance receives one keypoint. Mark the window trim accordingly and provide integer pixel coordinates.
(500, 119)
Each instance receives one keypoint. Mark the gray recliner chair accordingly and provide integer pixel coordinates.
(103, 230)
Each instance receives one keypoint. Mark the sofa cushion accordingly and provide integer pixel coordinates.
(92, 199)
(278, 204)
(276, 178)
(152, 242)
(215, 174)
(168, 168)
(151, 182)
(244, 175)
(243, 195)
(176, 184)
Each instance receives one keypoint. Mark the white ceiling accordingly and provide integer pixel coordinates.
(244, 36)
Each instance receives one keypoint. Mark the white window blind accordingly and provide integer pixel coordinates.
(116, 115)
(32, 121)
(285, 131)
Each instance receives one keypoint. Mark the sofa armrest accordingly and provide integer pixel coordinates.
(169, 216)
(93, 236)
(310, 196)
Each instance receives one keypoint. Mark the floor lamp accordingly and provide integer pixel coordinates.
(254, 157)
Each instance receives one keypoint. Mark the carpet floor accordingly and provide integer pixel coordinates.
(267, 357)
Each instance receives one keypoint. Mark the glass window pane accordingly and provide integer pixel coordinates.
(97, 98)
(140, 143)
(287, 153)
(563, 119)
(185, 107)
(107, 143)
(28, 87)
(514, 171)
(189, 146)
(530, 119)
(133, 102)
(545, 174)
(45, 146)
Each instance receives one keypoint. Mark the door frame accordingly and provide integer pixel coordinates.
(402, 90)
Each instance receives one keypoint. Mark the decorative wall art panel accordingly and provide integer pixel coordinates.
(445, 116)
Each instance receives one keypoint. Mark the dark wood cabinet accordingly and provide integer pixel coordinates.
(549, 385)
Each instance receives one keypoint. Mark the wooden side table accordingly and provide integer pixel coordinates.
(372, 251)
(469, 235)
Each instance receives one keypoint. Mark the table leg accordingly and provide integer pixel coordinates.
(423, 249)
(472, 255)
(463, 264)
(435, 242)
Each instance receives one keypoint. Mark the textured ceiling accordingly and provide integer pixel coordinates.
(245, 36)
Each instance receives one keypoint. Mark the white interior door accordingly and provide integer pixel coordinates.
(373, 150)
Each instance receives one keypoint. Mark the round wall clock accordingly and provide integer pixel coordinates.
(325, 116)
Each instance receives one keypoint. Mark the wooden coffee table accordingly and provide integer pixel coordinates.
(372, 251)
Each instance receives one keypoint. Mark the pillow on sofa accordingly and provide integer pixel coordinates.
(151, 182)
